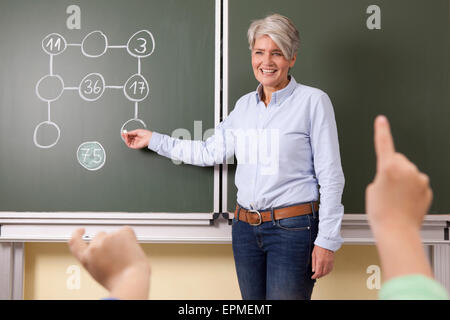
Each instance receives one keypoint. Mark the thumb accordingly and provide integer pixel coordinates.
(77, 245)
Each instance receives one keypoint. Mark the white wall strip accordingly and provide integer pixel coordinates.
(217, 108)
(225, 99)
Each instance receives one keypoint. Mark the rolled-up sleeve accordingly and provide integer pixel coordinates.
(329, 174)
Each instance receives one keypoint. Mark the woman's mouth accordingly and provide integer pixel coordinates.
(268, 71)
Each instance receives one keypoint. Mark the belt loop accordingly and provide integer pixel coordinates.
(313, 211)
(238, 211)
(272, 214)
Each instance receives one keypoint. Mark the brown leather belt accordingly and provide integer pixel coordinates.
(255, 217)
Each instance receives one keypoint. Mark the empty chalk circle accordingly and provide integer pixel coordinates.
(54, 44)
(49, 88)
(94, 45)
(46, 126)
(91, 155)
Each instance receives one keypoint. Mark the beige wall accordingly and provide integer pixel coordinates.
(184, 271)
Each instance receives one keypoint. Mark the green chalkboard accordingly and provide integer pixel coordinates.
(89, 168)
(400, 70)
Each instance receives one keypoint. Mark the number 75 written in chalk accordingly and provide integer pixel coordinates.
(95, 154)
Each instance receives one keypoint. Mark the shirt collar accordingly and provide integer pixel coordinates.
(278, 97)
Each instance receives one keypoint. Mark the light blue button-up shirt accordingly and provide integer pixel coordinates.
(284, 152)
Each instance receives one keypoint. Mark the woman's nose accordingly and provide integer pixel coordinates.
(267, 58)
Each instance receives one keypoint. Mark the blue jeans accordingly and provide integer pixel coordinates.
(273, 260)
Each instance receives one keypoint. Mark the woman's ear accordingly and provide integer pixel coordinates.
(292, 63)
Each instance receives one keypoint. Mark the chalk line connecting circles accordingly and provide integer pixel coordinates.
(92, 87)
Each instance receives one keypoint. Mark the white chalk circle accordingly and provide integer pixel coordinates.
(50, 123)
(46, 88)
(54, 44)
(91, 36)
(138, 121)
(92, 87)
(141, 44)
(136, 88)
(91, 155)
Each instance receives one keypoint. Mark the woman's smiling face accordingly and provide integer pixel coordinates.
(270, 66)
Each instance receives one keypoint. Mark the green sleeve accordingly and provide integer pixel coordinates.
(413, 287)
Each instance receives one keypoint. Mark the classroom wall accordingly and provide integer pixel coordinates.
(188, 271)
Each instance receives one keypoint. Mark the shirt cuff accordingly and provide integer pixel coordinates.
(155, 141)
(325, 243)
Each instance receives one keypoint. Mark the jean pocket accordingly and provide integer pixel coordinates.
(298, 223)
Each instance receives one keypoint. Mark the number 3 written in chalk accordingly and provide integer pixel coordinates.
(143, 46)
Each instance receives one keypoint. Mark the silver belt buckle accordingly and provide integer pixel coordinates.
(259, 215)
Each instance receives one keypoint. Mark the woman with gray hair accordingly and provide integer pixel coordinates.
(284, 137)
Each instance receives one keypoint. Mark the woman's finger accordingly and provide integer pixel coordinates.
(318, 269)
(313, 262)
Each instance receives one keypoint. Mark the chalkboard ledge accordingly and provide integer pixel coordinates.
(174, 227)
(149, 227)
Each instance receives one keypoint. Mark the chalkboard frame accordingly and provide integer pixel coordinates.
(168, 227)
(227, 207)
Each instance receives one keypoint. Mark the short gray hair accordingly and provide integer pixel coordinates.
(280, 29)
